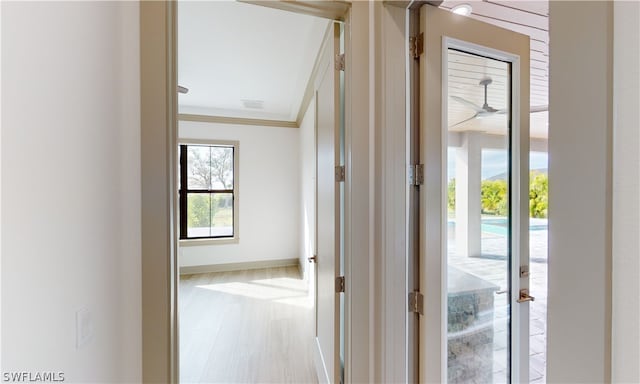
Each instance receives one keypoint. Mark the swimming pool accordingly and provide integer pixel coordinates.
(500, 225)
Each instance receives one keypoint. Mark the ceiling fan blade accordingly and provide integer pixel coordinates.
(538, 108)
(469, 104)
(464, 121)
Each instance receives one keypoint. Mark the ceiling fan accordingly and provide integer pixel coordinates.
(486, 110)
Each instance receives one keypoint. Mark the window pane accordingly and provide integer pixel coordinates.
(478, 220)
(221, 168)
(210, 215)
(222, 214)
(198, 167)
(210, 167)
(198, 215)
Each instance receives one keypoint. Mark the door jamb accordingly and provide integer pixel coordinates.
(158, 122)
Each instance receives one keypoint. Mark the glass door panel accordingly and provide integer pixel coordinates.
(478, 219)
(474, 249)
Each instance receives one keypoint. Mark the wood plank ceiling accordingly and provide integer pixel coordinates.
(526, 17)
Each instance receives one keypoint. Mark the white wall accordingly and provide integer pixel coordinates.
(307, 187)
(580, 137)
(1, 370)
(269, 194)
(593, 333)
(71, 188)
(626, 194)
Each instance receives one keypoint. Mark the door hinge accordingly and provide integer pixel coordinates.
(340, 62)
(339, 284)
(416, 302)
(416, 174)
(339, 173)
(416, 45)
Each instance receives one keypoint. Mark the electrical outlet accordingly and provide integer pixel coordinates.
(84, 327)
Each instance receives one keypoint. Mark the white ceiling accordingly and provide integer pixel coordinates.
(243, 60)
(526, 17)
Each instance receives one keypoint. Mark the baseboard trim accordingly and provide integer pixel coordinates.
(194, 269)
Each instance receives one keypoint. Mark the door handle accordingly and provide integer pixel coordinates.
(313, 259)
(524, 296)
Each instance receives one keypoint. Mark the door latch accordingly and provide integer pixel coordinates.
(524, 296)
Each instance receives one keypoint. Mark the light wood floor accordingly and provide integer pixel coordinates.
(253, 326)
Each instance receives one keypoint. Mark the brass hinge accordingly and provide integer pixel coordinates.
(416, 302)
(339, 173)
(340, 62)
(416, 45)
(339, 284)
(416, 174)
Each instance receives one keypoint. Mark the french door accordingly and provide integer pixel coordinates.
(474, 251)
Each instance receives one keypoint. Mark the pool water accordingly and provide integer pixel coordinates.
(500, 226)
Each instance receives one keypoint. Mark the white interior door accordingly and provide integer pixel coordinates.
(327, 356)
(474, 132)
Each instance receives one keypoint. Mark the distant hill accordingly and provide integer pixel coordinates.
(503, 176)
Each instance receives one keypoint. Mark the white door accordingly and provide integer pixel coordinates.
(327, 356)
(474, 132)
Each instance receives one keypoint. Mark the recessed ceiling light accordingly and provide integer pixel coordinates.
(462, 9)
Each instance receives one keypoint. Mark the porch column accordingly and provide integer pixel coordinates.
(468, 178)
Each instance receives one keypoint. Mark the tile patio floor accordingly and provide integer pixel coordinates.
(493, 269)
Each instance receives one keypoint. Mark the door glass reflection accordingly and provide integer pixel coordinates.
(478, 219)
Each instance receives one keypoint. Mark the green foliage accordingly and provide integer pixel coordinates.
(494, 197)
(451, 194)
(199, 211)
(206, 210)
(538, 195)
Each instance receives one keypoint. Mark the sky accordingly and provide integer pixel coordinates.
(494, 162)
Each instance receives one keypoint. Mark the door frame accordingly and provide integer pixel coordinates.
(159, 122)
(331, 132)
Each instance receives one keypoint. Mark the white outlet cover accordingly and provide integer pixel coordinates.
(84, 327)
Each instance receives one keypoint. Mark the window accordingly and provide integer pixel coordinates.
(208, 190)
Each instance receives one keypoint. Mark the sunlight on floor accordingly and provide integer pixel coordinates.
(246, 326)
(279, 290)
